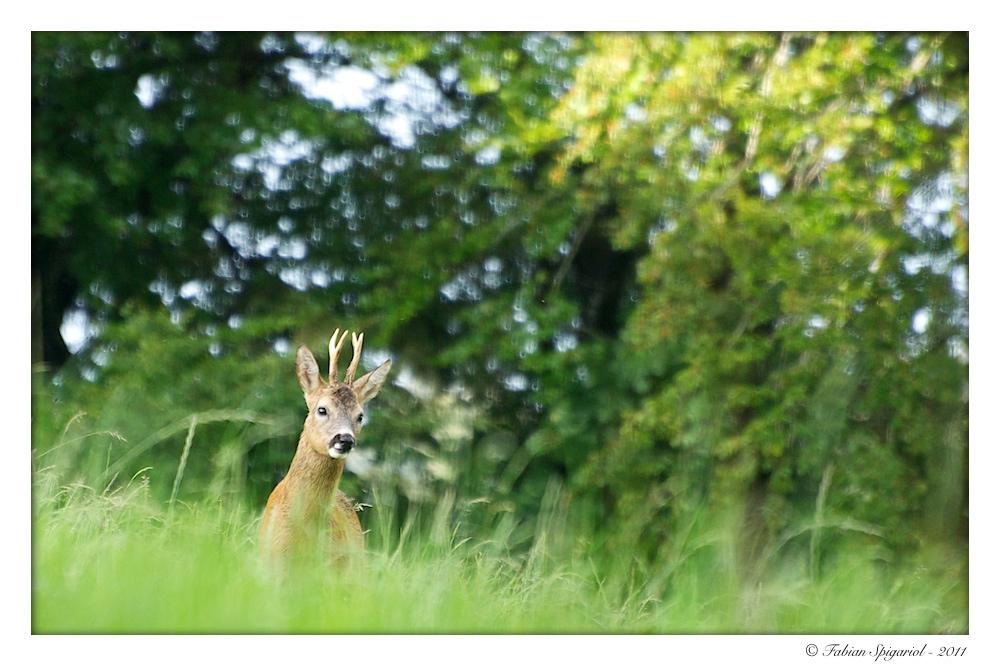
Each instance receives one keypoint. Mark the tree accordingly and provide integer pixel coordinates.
(672, 269)
(798, 204)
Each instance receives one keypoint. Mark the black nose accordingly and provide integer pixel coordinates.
(342, 442)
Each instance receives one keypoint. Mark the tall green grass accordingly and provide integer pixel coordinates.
(119, 547)
(111, 560)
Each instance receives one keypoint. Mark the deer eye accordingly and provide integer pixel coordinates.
(361, 418)
(321, 411)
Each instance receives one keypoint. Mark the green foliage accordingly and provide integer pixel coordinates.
(680, 273)
(786, 249)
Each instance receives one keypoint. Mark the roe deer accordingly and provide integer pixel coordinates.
(306, 507)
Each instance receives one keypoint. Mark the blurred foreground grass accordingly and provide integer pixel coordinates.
(119, 562)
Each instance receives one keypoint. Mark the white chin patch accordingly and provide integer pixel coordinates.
(338, 454)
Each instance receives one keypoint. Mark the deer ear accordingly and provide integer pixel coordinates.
(307, 369)
(367, 386)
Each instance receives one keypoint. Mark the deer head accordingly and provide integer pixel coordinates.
(336, 408)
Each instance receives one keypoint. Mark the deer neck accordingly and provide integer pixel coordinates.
(313, 478)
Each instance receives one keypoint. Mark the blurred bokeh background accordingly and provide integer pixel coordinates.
(672, 273)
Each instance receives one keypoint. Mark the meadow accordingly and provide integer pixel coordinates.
(678, 322)
(117, 560)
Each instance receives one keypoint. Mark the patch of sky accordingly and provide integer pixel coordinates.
(334, 164)
(77, 329)
(164, 290)
(815, 324)
(635, 113)
(937, 112)
(721, 123)
(939, 263)
(463, 287)
(928, 205)
(149, 89)
(197, 293)
(267, 245)
(292, 248)
(488, 156)
(319, 278)
(411, 103)
(104, 60)
(295, 277)
(960, 279)
(346, 87)
(515, 382)
(435, 162)
(282, 346)
(834, 153)
(699, 140)
(770, 185)
(564, 342)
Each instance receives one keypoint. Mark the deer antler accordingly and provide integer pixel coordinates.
(356, 342)
(335, 347)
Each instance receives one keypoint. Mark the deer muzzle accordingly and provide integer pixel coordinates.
(341, 445)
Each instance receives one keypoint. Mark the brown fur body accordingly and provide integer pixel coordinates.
(306, 498)
(307, 512)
